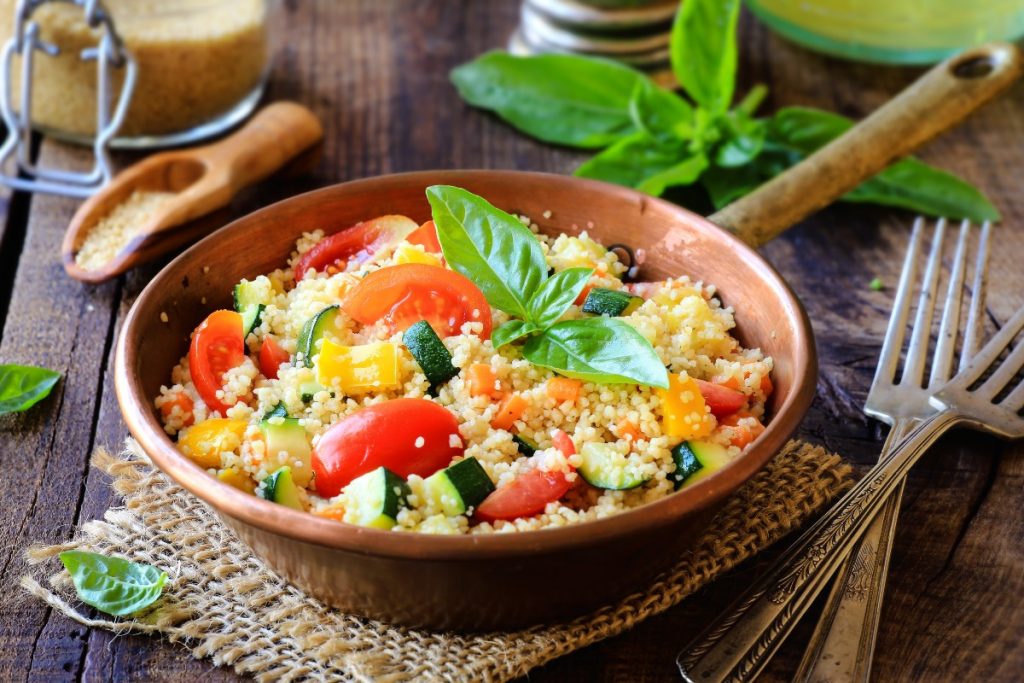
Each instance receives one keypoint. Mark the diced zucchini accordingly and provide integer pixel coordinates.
(248, 304)
(428, 350)
(606, 468)
(280, 488)
(313, 331)
(696, 460)
(375, 498)
(610, 302)
(288, 436)
(277, 411)
(310, 389)
(526, 446)
(459, 487)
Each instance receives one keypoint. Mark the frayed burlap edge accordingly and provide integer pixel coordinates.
(223, 603)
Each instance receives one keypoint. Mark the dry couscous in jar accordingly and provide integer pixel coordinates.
(201, 67)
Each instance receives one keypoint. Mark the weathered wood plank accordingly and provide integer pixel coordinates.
(376, 72)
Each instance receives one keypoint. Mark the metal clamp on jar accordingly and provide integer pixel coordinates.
(166, 72)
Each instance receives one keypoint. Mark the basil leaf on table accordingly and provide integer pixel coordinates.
(602, 350)
(510, 331)
(22, 386)
(112, 584)
(704, 52)
(907, 184)
(564, 99)
(914, 185)
(641, 162)
(555, 296)
(490, 247)
(743, 141)
(661, 114)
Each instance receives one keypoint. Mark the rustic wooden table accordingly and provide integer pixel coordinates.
(376, 73)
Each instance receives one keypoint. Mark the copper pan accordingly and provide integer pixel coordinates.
(502, 580)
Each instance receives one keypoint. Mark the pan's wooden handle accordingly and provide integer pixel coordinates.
(273, 137)
(935, 102)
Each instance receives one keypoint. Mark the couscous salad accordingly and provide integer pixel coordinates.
(467, 375)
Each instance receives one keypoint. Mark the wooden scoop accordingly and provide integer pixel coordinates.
(204, 179)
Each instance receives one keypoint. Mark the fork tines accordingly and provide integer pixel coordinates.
(894, 395)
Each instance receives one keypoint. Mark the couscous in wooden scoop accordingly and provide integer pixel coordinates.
(151, 207)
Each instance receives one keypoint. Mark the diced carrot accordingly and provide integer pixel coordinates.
(335, 513)
(628, 430)
(564, 388)
(743, 435)
(732, 382)
(180, 400)
(766, 386)
(583, 295)
(482, 381)
(510, 410)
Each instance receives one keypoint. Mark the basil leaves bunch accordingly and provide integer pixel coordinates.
(112, 584)
(652, 139)
(503, 258)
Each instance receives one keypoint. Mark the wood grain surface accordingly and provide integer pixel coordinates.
(375, 71)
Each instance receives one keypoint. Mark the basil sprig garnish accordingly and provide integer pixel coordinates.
(112, 584)
(653, 139)
(498, 253)
(22, 386)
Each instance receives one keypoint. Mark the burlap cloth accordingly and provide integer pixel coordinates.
(223, 603)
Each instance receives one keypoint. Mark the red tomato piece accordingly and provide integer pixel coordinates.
(426, 237)
(405, 294)
(357, 243)
(217, 346)
(722, 400)
(272, 356)
(530, 492)
(406, 435)
(582, 297)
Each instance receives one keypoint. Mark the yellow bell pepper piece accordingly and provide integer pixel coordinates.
(204, 442)
(369, 367)
(684, 413)
(239, 480)
(408, 253)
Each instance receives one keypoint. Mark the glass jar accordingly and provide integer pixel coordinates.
(202, 65)
(892, 31)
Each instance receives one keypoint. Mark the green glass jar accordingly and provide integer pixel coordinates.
(892, 31)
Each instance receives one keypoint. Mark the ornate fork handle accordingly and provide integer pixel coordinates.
(736, 646)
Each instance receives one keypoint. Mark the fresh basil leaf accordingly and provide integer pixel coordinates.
(555, 296)
(804, 129)
(510, 331)
(752, 100)
(604, 350)
(914, 185)
(22, 386)
(564, 99)
(640, 161)
(490, 247)
(661, 114)
(112, 584)
(744, 139)
(907, 184)
(726, 185)
(704, 52)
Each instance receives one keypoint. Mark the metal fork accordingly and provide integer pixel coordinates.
(842, 645)
(737, 645)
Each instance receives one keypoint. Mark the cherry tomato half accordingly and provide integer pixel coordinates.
(272, 356)
(426, 237)
(406, 435)
(530, 492)
(722, 400)
(405, 294)
(357, 243)
(217, 346)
